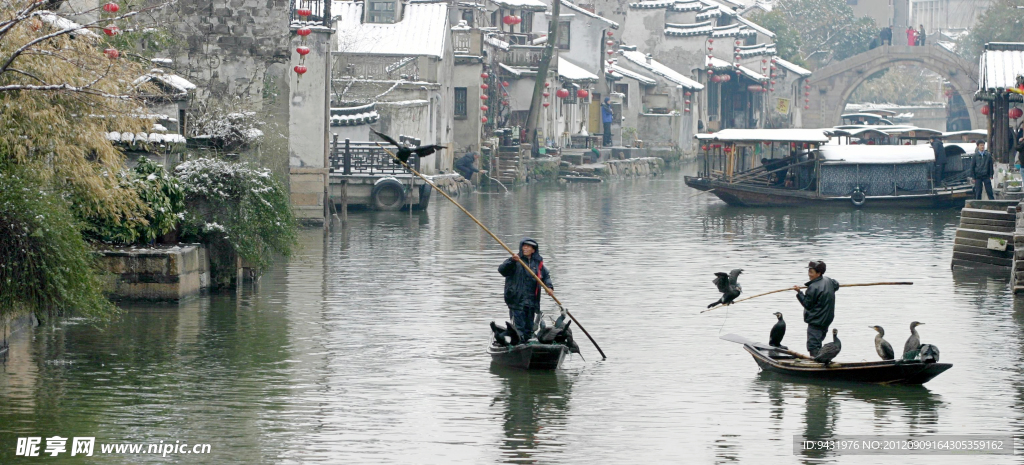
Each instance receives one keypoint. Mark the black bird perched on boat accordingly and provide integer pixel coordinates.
(728, 286)
(404, 152)
(778, 332)
(830, 350)
(881, 345)
(558, 334)
(500, 333)
(914, 341)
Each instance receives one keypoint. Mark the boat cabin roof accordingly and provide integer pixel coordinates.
(880, 112)
(966, 136)
(871, 117)
(876, 154)
(913, 132)
(816, 136)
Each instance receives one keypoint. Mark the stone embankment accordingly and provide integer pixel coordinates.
(155, 273)
(985, 236)
(452, 184)
(631, 167)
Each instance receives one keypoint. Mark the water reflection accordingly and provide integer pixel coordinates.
(536, 407)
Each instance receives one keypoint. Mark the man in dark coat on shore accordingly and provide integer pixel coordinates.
(982, 169)
(465, 165)
(819, 305)
(522, 293)
(940, 160)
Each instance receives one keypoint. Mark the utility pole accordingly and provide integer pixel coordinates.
(542, 74)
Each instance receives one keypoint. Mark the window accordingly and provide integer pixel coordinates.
(467, 16)
(381, 12)
(624, 90)
(527, 24)
(460, 103)
(563, 35)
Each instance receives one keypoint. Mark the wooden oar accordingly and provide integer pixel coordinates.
(502, 243)
(805, 287)
(757, 345)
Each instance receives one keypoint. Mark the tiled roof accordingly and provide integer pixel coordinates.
(616, 69)
(693, 29)
(354, 116)
(423, 31)
(583, 12)
(651, 4)
(532, 5)
(571, 72)
(792, 67)
(1001, 63)
(687, 6)
(640, 59)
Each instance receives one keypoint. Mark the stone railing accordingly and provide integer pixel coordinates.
(320, 9)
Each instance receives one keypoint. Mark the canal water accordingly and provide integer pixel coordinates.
(367, 346)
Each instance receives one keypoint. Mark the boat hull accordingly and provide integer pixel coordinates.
(881, 372)
(743, 195)
(530, 356)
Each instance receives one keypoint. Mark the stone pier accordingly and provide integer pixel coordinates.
(155, 273)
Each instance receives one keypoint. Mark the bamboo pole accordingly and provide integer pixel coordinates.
(805, 287)
(547, 289)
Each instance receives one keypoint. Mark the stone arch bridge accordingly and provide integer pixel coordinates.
(832, 85)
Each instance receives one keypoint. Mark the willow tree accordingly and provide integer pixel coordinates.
(63, 88)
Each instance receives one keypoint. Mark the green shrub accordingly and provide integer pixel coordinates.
(237, 204)
(160, 193)
(46, 267)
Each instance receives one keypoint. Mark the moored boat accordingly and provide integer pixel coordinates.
(880, 372)
(530, 356)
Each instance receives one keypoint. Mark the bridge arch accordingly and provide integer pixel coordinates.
(832, 85)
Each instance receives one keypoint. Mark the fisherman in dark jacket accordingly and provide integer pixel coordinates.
(465, 165)
(522, 293)
(940, 160)
(982, 169)
(819, 304)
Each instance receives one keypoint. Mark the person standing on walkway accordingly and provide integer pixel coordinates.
(886, 35)
(911, 36)
(940, 160)
(607, 116)
(920, 35)
(522, 293)
(819, 304)
(982, 169)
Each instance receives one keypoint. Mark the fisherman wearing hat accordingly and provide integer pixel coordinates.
(522, 293)
(819, 304)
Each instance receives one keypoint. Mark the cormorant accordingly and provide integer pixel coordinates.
(778, 332)
(830, 350)
(881, 345)
(914, 341)
(728, 286)
(500, 333)
(404, 152)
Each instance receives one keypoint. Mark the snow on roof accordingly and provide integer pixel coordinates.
(652, 4)
(581, 11)
(640, 59)
(65, 24)
(423, 31)
(1000, 65)
(717, 63)
(967, 135)
(792, 67)
(770, 135)
(709, 12)
(755, 26)
(753, 74)
(572, 72)
(616, 69)
(356, 119)
(691, 29)
(683, 6)
(492, 40)
(755, 50)
(178, 83)
(732, 30)
(876, 154)
(533, 5)
(153, 138)
(765, 7)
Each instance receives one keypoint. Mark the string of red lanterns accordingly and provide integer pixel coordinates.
(302, 50)
(111, 30)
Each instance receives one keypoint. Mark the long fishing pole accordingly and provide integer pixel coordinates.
(502, 243)
(805, 287)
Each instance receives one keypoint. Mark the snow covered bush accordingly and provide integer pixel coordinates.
(163, 202)
(237, 205)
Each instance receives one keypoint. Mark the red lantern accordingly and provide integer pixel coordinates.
(755, 88)
(507, 20)
(504, 102)
(710, 72)
(111, 7)
(716, 146)
(300, 69)
(716, 78)
(687, 102)
(704, 148)
(610, 43)
(303, 31)
(483, 97)
(984, 110)
(111, 53)
(111, 30)
(483, 119)
(610, 33)
(773, 83)
(711, 41)
(547, 84)
(807, 107)
(807, 94)
(582, 93)
(773, 89)
(687, 110)
(483, 107)
(484, 86)
(1016, 113)
(302, 51)
(728, 149)
(737, 43)
(710, 48)
(726, 78)
(562, 93)
(737, 58)
(546, 104)
(611, 52)
(484, 75)
(504, 83)
(518, 19)
(687, 94)
(808, 87)
(546, 94)
(303, 12)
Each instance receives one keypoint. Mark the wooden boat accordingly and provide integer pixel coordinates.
(881, 372)
(530, 356)
(797, 168)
